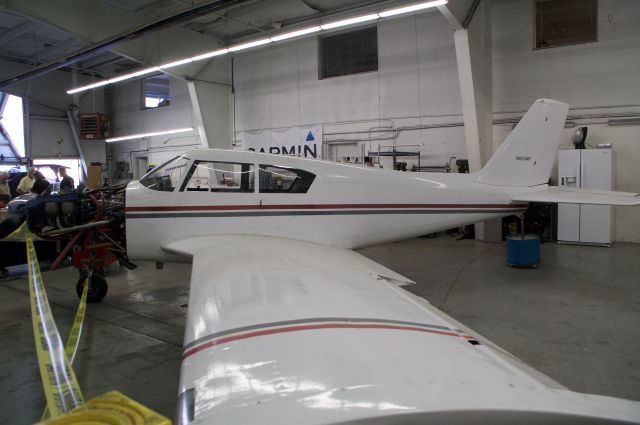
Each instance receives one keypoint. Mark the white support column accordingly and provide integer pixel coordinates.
(198, 121)
(469, 113)
(211, 115)
(211, 99)
(474, 58)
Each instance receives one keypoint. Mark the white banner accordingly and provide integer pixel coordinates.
(303, 141)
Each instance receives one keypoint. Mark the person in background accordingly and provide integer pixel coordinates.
(66, 184)
(5, 193)
(26, 183)
(40, 186)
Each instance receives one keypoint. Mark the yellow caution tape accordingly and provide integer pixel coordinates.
(65, 402)
(76, 330)
(60, 385)
(112, 408)
(19, 234)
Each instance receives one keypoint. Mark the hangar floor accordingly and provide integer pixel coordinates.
(576, 318)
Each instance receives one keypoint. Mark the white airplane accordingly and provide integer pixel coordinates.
(287, 325)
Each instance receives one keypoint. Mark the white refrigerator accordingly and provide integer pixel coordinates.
(587, 169)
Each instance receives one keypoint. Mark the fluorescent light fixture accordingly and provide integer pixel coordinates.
(250, 44)
(115, 79)
(176, 63)
(145, 71)
(89, 87)
(331, 25)
(141, 135)
(350, 21)
(210, 54)
(412, 8)
(135, 74)
(298, 33)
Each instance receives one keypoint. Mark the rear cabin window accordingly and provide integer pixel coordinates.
(166, 177)
(213, 176)
(284, 180)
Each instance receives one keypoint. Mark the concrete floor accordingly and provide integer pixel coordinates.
(576, 318)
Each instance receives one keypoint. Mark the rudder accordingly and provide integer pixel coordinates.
(528, 153)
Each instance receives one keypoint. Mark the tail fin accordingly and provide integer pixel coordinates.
(527, 155)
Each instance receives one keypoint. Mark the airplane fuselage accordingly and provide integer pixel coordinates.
(345, 205)
(285, 326)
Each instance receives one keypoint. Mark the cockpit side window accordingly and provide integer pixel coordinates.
(166, 177)
(216, 176)
(284, 180)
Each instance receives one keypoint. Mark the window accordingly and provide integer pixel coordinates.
(167, 176)
(206, 176)
(284, 180)
(349, 53)
(11, 129)
(564, 22)
(155, 91)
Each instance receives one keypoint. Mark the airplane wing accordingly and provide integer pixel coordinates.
(291, 332)
(555, 195)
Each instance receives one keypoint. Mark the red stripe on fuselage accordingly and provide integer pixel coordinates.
(320, 207)
(297, 328)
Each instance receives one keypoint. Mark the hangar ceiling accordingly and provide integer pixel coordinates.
(67, 34)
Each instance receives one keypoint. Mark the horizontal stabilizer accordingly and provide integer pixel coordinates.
(557, 195)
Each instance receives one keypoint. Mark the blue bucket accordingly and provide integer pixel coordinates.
(523, 252)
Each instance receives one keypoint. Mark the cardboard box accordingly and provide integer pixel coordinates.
(94, 177)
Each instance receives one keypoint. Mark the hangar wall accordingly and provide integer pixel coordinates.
(277, 87)
(599, 81)
(130, 118)
(48, 132)
(417, 83)
(212, 86)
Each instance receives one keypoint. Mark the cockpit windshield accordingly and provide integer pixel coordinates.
(168, 176)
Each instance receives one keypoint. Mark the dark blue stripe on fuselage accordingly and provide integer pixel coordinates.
(197, 214)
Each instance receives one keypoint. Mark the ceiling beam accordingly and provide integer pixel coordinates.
(470, 13)
(96, 22)
(49, 49)
(17, 31)
(362, 6)
(456, 12)
(103, 60)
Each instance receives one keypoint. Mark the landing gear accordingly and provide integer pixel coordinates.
(4, 273)
(98, 286)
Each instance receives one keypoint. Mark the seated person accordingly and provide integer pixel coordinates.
(5, 193)
(40, 186)
(26, 183)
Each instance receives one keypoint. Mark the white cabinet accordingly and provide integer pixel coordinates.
(587, 169)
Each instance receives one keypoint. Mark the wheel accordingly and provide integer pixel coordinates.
(97, 288)
(4, 273)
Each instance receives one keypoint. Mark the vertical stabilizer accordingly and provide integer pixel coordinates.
(527, 155)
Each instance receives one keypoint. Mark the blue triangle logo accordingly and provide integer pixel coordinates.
(310, 137)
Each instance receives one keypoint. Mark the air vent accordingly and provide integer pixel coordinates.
(92, 125)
